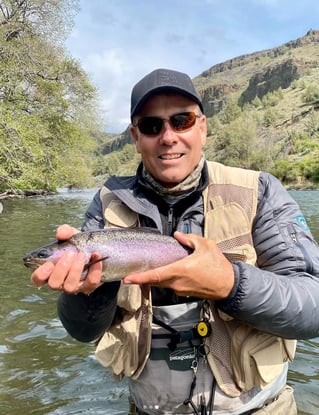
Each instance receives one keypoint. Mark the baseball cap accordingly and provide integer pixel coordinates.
(163, 80)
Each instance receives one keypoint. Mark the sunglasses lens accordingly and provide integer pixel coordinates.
(183, 121)
(150, 125)
(179, 122)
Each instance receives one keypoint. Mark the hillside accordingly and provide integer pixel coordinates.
(262, 111)
(258, 73)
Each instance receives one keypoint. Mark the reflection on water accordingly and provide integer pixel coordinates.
(43, 370)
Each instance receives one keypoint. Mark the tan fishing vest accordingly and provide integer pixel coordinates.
(240, 356)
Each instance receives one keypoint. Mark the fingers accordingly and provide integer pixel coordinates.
(61, 270)
(65, 232)
(152, 277)
(205, 273)
(66, 275)
(190, 240)
(93, 277)
(41, 275)
(165, 276)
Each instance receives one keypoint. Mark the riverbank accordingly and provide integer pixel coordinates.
(20, 194)
(11, 194)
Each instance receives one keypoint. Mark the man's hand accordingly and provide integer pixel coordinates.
(66, 274)
(205, 273)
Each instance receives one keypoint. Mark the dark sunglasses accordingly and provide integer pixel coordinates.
(179, 122)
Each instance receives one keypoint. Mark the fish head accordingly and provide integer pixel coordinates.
(51, 252)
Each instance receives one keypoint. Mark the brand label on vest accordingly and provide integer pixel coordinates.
(180, 359)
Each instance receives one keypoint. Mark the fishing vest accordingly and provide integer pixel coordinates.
(240, 357)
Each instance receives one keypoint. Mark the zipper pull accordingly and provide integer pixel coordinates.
(170, 216)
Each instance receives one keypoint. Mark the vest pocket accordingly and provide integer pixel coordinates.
(126, 345)
(119, 215)
(118, 349)
(227, 222)
(258, 358)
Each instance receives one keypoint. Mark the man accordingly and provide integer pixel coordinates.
(205, 334)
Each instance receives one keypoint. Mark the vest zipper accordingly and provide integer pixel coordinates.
(170, 216)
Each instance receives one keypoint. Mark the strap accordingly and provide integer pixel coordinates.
(175, 336)
(164, 325)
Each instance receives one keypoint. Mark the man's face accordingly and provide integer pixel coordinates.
(170, 156)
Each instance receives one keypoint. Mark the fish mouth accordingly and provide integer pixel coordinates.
(31, 263)
(174, 156)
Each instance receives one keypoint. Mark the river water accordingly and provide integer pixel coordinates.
(45, 371)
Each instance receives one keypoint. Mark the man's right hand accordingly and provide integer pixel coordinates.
(66, 274)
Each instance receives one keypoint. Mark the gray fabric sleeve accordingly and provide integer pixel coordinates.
(281, 294)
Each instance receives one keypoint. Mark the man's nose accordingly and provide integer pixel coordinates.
(168, 135)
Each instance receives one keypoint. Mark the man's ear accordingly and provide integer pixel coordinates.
(203, 130)
(134, 135)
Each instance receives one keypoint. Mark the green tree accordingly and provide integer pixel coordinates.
(311, 93)
(235, 144)
(284, 171)
(231, 111)
(270, 116)
(47, 104)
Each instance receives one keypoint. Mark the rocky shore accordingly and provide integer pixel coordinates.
(10, 194)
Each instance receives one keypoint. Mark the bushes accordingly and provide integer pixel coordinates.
(311, 93)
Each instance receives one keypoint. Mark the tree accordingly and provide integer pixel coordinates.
(50, 19)
(235, 143)
(47, 104)
(231, 111)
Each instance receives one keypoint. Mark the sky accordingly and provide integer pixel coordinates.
(117, 42)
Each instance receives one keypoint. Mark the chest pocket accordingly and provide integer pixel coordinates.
(116, 214)
(229, 226)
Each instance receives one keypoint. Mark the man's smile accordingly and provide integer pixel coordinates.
(171, 156)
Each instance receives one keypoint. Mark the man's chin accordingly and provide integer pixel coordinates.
(170, 182)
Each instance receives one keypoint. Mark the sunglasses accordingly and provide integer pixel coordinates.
(179, 122)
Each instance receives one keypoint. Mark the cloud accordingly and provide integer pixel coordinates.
(111, 76)
(118, 42)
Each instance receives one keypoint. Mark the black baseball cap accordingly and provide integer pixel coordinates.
(163, 80)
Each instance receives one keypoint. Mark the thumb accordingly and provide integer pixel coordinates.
(65, 231)
(189, 240)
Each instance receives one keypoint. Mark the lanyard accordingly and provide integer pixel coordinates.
(202, 409)
(203, 330)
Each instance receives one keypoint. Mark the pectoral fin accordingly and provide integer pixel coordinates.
(87, 266)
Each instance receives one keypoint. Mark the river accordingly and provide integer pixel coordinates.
(45, 371)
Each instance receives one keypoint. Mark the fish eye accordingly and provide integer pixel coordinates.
(43, 253)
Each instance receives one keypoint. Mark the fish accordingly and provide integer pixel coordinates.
(123, 251)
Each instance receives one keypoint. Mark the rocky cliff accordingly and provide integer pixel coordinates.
(246, 77)
(257, 73)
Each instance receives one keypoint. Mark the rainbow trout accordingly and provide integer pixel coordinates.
(123, 251)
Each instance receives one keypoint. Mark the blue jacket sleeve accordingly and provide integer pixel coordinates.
(281, 294)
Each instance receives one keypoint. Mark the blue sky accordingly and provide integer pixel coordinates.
(117, 42)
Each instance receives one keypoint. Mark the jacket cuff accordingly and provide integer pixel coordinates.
(231, 303)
